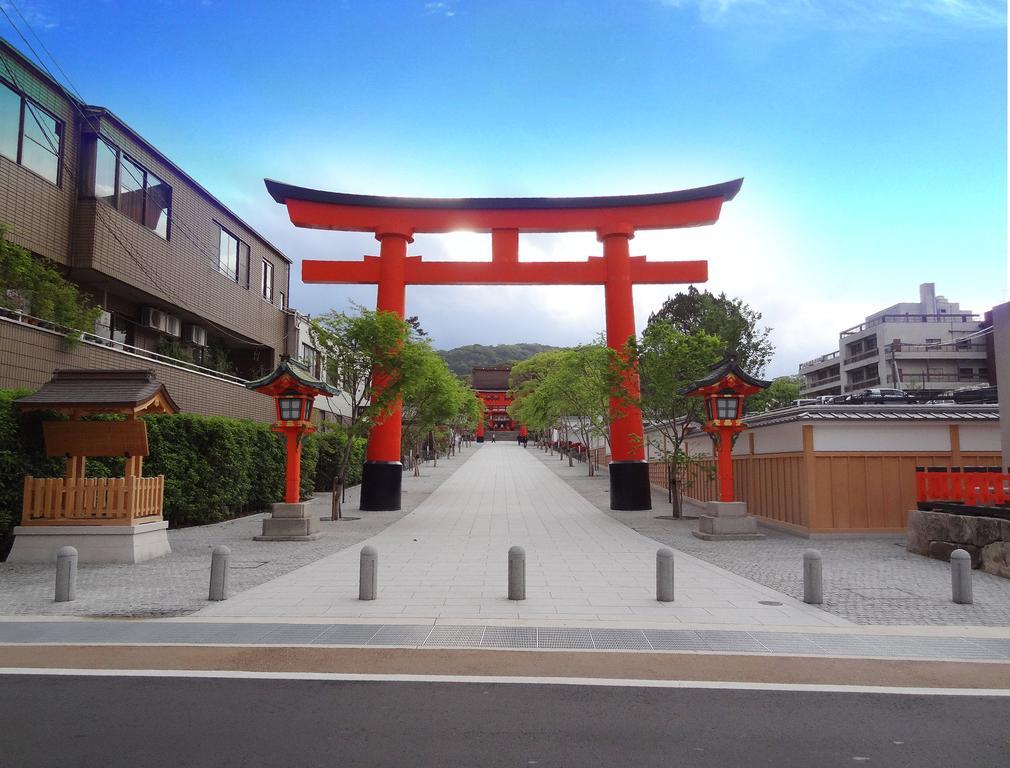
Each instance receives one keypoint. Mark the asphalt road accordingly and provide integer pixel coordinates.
(72, 721)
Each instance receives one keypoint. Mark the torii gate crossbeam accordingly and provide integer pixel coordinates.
(395, 220)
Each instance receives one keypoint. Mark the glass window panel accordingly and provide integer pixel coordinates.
(291, 409)
(131, 189)
(243, 263)
(228, 255)
(10, 122)
(268, 281)
(40, 148)
(105, 173)
(159, 200)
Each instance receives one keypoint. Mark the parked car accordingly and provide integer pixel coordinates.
(879, 395)
(805, 401)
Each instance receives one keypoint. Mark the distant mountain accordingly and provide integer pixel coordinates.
(462, 359)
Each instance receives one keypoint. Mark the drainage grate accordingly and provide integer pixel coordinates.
(295, 635)
(455, 637)
(509, 637)
(348, 634)
(620, 639)
(401, 634)
(564, 638)
(248, 564)
(675, 640)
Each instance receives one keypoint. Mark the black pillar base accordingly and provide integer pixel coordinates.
(629, 485)
(479, 439)
(380, 486)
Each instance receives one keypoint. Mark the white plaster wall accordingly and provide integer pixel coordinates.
(776, 438)
(699, 445)
(881, 436)
(980, 437)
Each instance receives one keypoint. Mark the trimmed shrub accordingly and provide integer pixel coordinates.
(331, 450)
(215, 467)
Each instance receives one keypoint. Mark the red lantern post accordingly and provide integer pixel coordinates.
(294, 391)
(724, 391)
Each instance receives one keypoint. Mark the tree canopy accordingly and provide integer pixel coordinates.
(462, 360)
(731, 321)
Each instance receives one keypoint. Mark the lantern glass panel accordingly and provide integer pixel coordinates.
(291, 408)
(308, 409)
(727, 407)
(708, 408)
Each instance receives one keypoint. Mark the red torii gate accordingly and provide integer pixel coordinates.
(395, 220)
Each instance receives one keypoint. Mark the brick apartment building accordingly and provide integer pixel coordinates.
(186, 286)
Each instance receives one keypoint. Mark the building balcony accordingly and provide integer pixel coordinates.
(946, 319)
(866, 355)
(864, 384)
(820, 362)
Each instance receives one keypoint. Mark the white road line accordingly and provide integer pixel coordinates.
(487, 679)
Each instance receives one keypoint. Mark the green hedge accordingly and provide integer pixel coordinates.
(331, 450)
(215, 468)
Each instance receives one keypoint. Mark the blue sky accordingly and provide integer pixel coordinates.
(871, 136)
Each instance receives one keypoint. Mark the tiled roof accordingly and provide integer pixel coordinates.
(491, 378)
(97, 389)
(295, 370)
(855, 413)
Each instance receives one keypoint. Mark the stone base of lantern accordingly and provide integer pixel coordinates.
(726, 521)
(94, 543)
(289, 522)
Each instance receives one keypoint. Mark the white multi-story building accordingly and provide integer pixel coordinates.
(928, 346)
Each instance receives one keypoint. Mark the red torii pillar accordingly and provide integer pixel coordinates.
(395, 220)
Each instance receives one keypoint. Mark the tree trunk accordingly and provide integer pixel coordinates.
(338, 491)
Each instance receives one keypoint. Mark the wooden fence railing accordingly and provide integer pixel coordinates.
(92, 500)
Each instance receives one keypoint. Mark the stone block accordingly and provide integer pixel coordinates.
(936, 526)
(917, 540)
(720, 526)
(996, 559)
(289, 529)
(960, 528)
(726, 509)
(940, 550)
(94, 543)
(988, 530)
(283, 509)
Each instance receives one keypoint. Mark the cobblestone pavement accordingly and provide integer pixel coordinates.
(867, 579)
(177, 584)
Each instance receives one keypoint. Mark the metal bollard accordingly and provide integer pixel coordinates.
(813, 584)
(66, 575)
(960, 577)
(664, 575)
(219, 562)
(368, 577)
(517, 573)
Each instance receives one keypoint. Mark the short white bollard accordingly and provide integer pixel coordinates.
(66, 575)
(517, 573)
(368, 573)
(219, 562)
(664, 575)
(813, 585)
(960, 577)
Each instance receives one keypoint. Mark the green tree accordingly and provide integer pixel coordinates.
(363, 348)
(432, 398)
(35, 287)
(780, 394)
(669, 361)
(732, 321)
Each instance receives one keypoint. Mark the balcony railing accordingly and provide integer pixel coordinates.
(866, 355)
(852, 386)
(821, 359)
(945, 347)
(921, 379)
(126, 349)
(948, 319)
(815, 383)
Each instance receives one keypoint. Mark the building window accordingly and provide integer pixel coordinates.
(932, 343)
(29, 135)
(267, 281)
(233, 257)
(123, 183)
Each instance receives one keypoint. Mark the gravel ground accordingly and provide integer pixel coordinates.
(867, 579)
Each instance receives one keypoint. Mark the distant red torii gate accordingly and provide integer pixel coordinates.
(395, 220)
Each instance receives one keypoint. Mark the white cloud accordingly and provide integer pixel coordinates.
(849, 13)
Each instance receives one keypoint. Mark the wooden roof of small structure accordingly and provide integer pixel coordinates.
(737, 379)
(290, 372)
(490, 378)
(101, 391)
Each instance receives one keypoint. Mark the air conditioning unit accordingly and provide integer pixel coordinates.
(194, 334)
(153, 318)
(173, 326)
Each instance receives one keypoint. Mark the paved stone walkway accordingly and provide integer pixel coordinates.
(867, 579)
(177, 584)
(448, 560)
